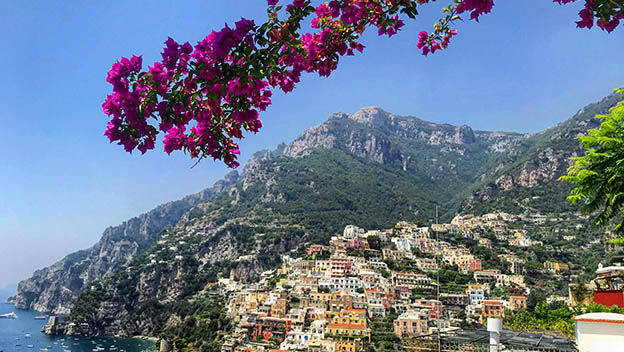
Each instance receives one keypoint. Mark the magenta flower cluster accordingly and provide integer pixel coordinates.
(609, 17)
(204, 97)
(608, 12)
(475, 7)
(186, 88)
(428, 43)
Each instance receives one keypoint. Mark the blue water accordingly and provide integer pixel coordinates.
(14, 337)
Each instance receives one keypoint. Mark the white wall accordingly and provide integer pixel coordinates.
(599, 336)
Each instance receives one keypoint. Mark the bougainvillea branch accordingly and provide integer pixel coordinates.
(204, 97)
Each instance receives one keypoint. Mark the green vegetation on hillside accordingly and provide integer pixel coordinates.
(555, 317)
(204, 323)
(383, 338)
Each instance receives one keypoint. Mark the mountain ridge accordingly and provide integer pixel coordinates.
(53, 288)
(370, 167)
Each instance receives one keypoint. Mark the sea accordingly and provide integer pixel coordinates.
(24, 335)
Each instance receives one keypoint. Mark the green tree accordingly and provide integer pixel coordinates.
(598, 176)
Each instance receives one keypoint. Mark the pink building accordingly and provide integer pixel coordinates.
(358, 243)
(411, 324)
(340, 266)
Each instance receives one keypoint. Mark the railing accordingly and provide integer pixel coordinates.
(430, 346)
(446, 346)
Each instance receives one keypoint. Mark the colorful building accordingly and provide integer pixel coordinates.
(412, 323)
(517, 302)
(493, 309)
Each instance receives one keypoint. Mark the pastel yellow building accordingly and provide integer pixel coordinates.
(555, 266)
(348, 330)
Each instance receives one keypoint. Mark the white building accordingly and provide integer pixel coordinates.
(402, 244)
(344, 283)
(295, 340)
(599, 332)
(476, 294)
(350, 231)
(317, 329)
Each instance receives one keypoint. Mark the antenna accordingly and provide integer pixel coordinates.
(438, 279)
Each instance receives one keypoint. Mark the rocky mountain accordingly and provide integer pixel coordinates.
(443, 158)
(370, 168)
(53, 289)
(529, 181)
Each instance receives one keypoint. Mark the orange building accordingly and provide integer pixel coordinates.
(517, 302)
(315, 249)
(493, 309)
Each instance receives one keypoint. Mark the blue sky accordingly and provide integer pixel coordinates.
(523, 68)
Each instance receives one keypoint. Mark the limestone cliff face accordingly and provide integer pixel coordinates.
(548, 165)
(374, 142)
(381, 137)
(53, 289)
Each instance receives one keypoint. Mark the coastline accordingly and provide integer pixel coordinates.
(147, 338)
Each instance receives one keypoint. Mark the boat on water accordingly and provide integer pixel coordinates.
(43, 349)
(11, 315)
(30, 346)
(27, 335)
(41, 317)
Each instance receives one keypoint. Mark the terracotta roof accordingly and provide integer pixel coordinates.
(357, 310)
(612, 318)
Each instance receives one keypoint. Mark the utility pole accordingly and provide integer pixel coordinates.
(438, 279)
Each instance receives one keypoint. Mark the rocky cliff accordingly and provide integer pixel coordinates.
(382, 137)
(531, 176)
(158, 286)
(53, 289)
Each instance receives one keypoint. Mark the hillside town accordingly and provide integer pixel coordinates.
(361, 284)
